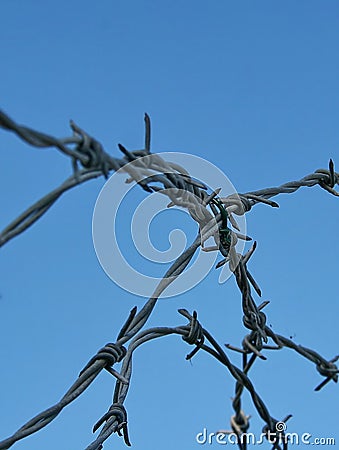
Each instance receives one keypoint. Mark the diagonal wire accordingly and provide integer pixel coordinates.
(154, 174)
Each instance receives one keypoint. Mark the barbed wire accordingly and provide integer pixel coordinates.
(154, 174)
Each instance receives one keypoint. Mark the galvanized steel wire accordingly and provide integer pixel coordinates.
(154, 174)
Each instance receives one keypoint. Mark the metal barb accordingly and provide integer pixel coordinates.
(175, 182)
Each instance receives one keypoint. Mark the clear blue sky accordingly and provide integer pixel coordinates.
(250, 86)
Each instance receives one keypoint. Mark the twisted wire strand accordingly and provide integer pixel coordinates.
(149, 170)
(193, 334)
(97, 162)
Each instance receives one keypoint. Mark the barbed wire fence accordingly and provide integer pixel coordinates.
(154, 174)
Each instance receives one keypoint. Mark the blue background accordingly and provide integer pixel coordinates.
(250, 86)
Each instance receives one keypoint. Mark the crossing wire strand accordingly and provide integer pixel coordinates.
(154, 174)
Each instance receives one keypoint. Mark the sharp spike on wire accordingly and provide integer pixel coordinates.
(250, 252)
(332, 175)
(147, 133)
(233, 221)
(253, 283)
(222, 263)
